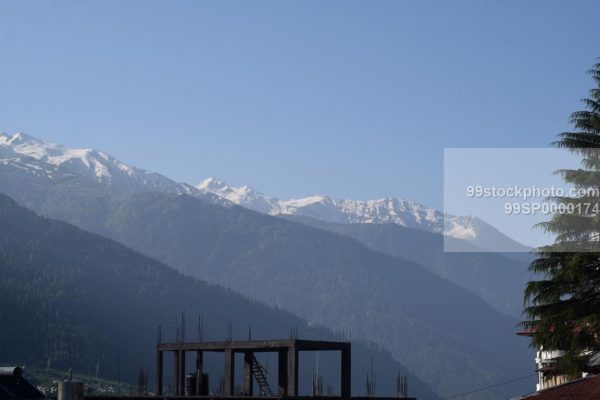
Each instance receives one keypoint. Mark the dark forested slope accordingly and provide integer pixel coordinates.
(67, 294)
(499, 279)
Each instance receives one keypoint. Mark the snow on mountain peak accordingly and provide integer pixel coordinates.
(21, 138)
(244, 196)
(212, 184)
(388, 210)
(58, 156)
(28, 153)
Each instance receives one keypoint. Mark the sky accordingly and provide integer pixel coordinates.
(353, 99)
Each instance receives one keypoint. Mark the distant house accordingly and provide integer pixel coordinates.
(547, 377)
(14, 386)
(587, 388)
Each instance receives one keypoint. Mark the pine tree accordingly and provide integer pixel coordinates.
(563, 307)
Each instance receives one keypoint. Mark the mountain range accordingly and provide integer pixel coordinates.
(41, 157)
(97, 173)
(448, 328)
(388, 210)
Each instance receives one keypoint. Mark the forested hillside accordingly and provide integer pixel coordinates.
(439, 330)
(68, 294)
(499, 279)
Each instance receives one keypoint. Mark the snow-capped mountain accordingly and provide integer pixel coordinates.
(41, 158)
(33, 156)
(388, 210)
(325, 208)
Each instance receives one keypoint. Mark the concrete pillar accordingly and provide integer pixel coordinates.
(282, 372)
(199, 371)
(159, 373)
(176, 369)
(248, 381)
(346, 374)
(181, 372)
(229, 372)
(292, 371)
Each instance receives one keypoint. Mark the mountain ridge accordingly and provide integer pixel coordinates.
(393, 210)
(22, 150)
(499, 279)
(27, 152)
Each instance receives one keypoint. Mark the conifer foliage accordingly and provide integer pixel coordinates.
(563, 307)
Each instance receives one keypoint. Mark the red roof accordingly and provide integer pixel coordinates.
(580, 389)
(527, 332)
(533, 331)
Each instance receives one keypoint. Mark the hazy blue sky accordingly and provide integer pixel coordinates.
(351, 99)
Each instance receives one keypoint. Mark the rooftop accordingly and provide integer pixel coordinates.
(580, 389)
(257, 345)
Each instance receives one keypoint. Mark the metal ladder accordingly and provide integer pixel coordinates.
(260, 374)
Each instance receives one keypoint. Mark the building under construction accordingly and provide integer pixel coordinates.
(195, 383)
